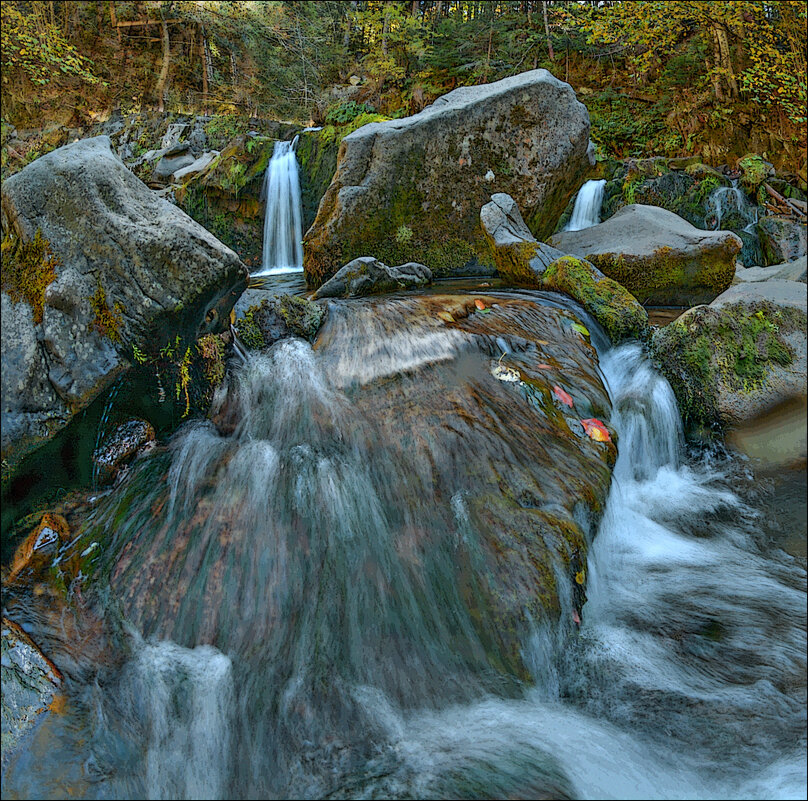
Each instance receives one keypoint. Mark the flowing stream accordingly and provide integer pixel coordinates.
(283, 223)
(586, 211)
(730, 209)
(304, 578)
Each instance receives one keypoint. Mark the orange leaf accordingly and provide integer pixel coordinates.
(596, 430)
(479, 304)
(564, 397)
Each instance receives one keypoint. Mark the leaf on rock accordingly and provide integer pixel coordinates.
(504, 373)
(446, 317)
(563, 397)
(596, 430)
(579, 577)
(479, 304)
(543, 367)
(581, 329)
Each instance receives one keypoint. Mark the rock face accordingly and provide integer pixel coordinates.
(526, 262)
(410, 189)
(368, 276)
(111, 458)
(29, 684)
(739, 357)
(781, 239)
(124, 269)
(656, 255)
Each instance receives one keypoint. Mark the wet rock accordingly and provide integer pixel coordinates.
(658, 256)
(743, 355)
(130, 270)
(782, 239)
(368, 276)
(410, 189)
(523, 260)
(114, 454)
(30, 683)
(279, 317)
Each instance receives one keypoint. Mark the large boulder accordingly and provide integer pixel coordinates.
(738, 358)
(369, 276)
(789, 271)
(410, 189)
(781, 239)
(96, 268)
(656, 255)
(522, 260)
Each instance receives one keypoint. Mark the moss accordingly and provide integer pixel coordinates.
(616, 309)
(259, 327)
(732, 348)
(106, 321)
(753, 172)
(28, 268)
(211, 349)
(248, 330)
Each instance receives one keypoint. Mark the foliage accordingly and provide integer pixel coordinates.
(28, 268)
(347, 112)
(106, 321)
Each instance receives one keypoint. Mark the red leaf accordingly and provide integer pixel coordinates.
(564, 397)
(575, 618)
(596, 430)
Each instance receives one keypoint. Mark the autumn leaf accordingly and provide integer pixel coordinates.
(444, 315)
(479, 304)
(596, 430)
(543, 367)
(563, 397)
(579, 577)
(581, 329)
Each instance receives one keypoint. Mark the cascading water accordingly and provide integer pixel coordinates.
(730, 209)
(586, 211)
(283, 223)
(329, 536)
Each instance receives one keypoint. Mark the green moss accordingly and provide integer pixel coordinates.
(616, 309)
(258, 327)
(28, 268)
(733, 347)
(106, 321)
(753, 172)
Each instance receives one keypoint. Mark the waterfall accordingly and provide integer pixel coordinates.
(283, 223)
(729, 209)
(586, 212)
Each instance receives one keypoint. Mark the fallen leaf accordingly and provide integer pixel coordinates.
(575, 618)
(543, 367)
(581, 329)
(444, 315)
(479, 304)
(596, 430)
(562, 396)
(579, 577)
(504, 373)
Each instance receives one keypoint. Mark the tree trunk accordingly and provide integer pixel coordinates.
(204, 55)
(385, 27)
(717, 87)
(113, 19)
(726, 59)
(547, 30)
(163, 77)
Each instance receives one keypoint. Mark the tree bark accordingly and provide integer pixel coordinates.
(204, 54)
(113, 19)
(547, 30)
(163, 77)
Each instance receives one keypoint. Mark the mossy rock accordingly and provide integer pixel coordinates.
(754, 171)
(723, 361)
(278, 317)
(613, 306)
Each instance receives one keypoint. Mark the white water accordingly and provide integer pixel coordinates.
(586, 211)
(283, 223)
(726, 200)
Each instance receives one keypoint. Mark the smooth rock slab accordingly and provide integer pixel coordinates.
(658, 256)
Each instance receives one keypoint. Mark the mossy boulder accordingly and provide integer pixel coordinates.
(656, 255)
(754, 171)
(737, 358)
(781, 239)
(118, 270)
(410, 189)
(611, 304)
(278, 317)
(369, 276)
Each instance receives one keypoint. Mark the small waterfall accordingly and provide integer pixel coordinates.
(586, 212)
(728, 208)
(283, 223)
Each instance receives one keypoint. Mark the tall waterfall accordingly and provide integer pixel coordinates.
(283, 224)
(586, 212)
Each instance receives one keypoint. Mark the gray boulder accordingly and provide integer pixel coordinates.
(738, 358)
(132, 270)
(522, 260)
(369, 276)
(175, 158)
(656, 255)
(790, 271)
(781, 239)
(412, 188)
